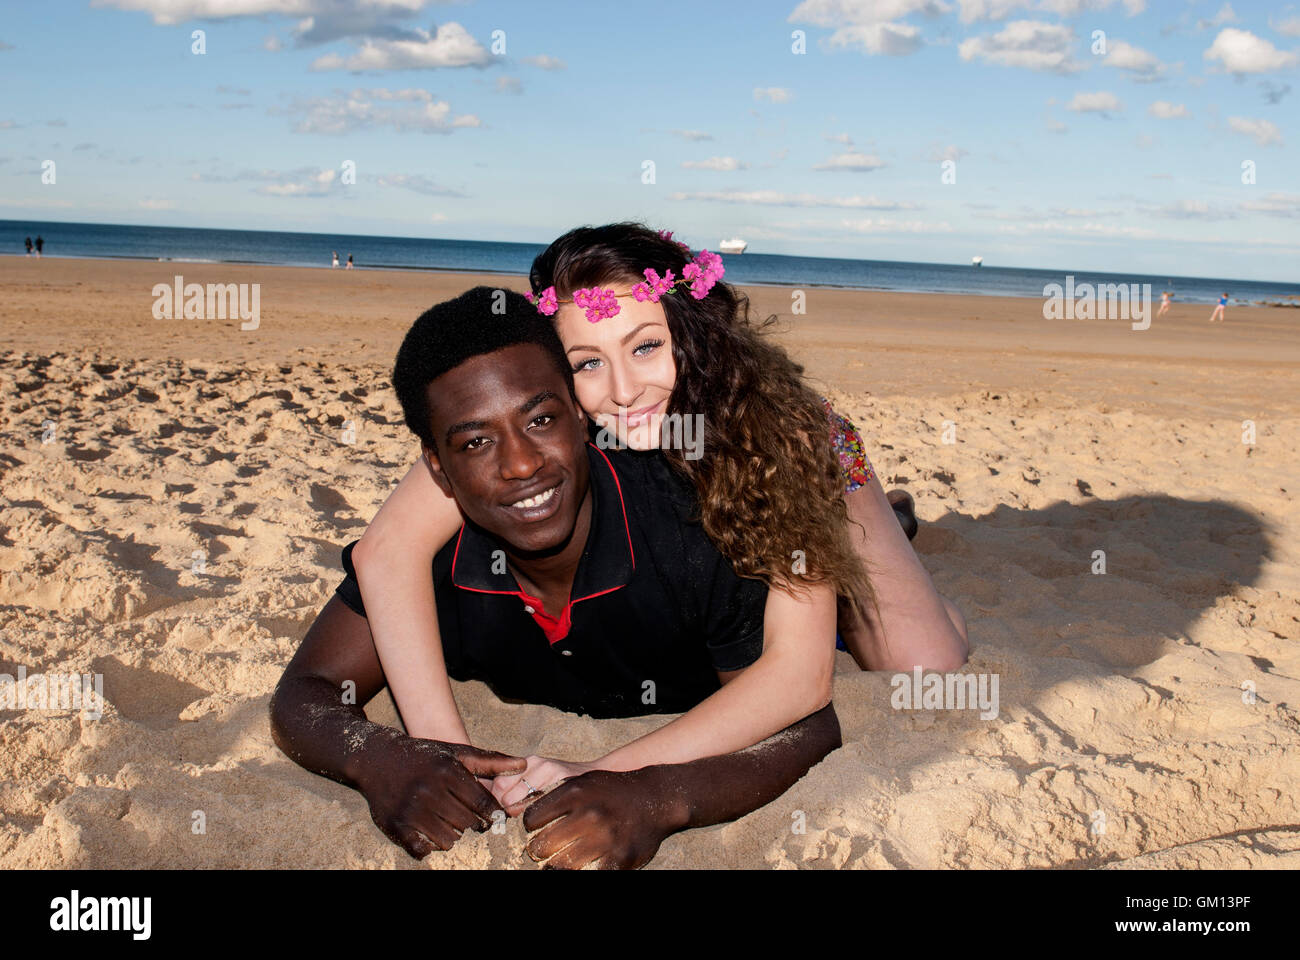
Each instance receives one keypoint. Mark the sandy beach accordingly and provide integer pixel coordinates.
(174, 496)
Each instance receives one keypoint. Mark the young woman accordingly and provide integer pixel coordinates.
(652, 333)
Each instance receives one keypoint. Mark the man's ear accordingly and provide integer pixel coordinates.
(430, 457)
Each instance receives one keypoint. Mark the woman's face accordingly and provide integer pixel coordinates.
(621, 365)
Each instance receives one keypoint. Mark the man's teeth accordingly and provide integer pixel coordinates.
(536, 501)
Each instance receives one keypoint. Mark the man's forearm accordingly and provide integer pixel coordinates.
(719, 789)
(318, 731)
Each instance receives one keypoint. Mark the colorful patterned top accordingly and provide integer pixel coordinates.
(849, 448)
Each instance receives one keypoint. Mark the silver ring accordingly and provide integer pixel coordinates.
(531, 788)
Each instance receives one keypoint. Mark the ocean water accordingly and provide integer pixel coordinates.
(187, 245)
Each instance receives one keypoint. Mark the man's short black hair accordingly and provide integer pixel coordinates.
(481, 320)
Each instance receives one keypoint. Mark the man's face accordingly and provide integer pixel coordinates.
(511, 446)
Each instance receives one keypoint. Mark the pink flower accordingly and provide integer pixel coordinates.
(599, 304)
(642, 292)
(546, 304)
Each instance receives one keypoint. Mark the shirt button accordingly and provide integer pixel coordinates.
(528, 609)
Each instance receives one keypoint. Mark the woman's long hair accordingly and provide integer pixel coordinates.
(770, 486)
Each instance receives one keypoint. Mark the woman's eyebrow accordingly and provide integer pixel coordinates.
(635, 330)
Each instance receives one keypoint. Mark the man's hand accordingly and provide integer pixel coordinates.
(610, 820)
(424, 793)
(513, 791)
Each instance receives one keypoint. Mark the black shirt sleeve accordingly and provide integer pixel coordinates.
(730, 607)
(735, 619)
(349, 591)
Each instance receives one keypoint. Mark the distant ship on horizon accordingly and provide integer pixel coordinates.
(734, 245)
(977, 261)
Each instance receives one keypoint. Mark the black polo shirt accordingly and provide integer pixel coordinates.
(654, 613)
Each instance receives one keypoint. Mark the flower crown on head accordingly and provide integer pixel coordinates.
(704, 270)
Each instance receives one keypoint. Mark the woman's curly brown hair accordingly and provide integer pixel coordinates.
(769, 484)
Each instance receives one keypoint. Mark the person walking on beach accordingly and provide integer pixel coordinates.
(349, 266)
(1165, 297)
(1218, 313)
(28, 242)
(336, 258)
(40, 245)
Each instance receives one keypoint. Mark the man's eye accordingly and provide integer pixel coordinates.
(474, 443)
(542, 419)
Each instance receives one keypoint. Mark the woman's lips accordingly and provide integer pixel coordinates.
(636, 418)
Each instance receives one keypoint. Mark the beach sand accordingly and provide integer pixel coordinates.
(180, 526)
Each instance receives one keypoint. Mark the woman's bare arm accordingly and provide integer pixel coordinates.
(788, 682)
(394, 562)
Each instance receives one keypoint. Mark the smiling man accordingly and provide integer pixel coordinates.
(576, 581)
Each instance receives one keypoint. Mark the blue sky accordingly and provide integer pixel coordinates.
(1064, 157)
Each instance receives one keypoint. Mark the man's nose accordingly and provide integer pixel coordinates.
(520, 456)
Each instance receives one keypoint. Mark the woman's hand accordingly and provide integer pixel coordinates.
(515, 791)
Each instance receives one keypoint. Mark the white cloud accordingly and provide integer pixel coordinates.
(889, 39)
(418, 110)
(972, 10)
(951, 152)
(1072, 8)
(450, 46)
(1193, 210)
(1099, 102)
(1241, 51)
(836, 13)
(545, 61)
(1225, 15)
(417, 182)
(318, 21)
(1263, 132)
(508, 85)
(774, 198)
(156, 203)
(1289, 27)
(1141, 63)
(852, 160)
(1031, 44)
(272, 44)
(721, 164)
(843, 138)
(773, 94)
(1166, 110)
(1276, 205)
(869, 25)
(693, 135)
(885, 225)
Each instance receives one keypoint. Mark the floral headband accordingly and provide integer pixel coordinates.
(704, 270)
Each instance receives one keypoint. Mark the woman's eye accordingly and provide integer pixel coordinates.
(585, 365)
(647, 348)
